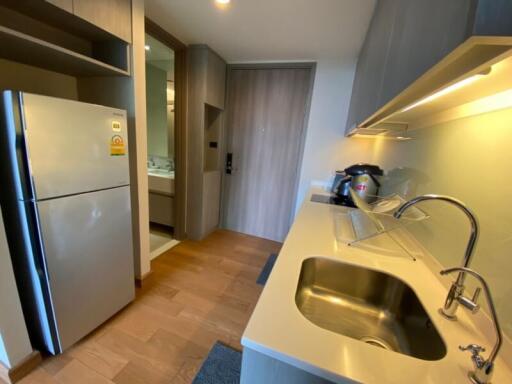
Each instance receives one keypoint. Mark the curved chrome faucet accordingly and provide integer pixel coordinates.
(483, 368)
(456, 293)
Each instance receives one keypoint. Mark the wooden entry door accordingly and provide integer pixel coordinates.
(265, 130)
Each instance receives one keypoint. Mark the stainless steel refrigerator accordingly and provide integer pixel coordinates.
(65, 194)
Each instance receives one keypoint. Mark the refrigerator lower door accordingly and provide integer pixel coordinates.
(87, 241)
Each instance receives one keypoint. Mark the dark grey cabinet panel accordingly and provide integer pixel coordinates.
(424, 32)
(371, 64)
(493, 18)
(408, 37)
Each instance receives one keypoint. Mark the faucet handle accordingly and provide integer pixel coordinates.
(473, 348)
(471, 304)
(476, 294)
(477, 359)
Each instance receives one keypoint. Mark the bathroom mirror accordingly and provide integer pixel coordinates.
(160, 98)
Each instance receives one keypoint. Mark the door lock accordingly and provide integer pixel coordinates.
(229, 163)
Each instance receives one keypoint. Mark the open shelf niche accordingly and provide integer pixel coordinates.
(83, 50)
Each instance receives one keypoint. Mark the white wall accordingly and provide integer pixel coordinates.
(469, 159)
(14, 341)
(466, 158)
(326, 148)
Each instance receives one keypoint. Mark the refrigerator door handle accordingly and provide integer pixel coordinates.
(50, 331)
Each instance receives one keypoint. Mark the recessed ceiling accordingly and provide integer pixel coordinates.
(268, 30)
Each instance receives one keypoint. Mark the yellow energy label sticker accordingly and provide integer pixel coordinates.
(117, 147)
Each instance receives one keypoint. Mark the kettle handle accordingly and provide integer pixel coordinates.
(374, 180)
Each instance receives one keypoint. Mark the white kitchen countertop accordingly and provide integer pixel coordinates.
(277, 328)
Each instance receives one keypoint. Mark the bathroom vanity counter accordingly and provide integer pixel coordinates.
(279, 333)
(161, 196)
(161, 181)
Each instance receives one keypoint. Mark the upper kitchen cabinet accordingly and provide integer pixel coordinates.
(415, 47)
(423, 33)
(215, 80)
(370, 68)
(78, 38)
(113, 16)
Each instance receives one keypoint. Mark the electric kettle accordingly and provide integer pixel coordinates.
(362, 178)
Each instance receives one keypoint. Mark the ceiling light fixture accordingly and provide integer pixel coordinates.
(380, 137)
(222, 4)
(449, 89)
(147, 47)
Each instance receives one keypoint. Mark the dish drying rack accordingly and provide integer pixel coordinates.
(375, 218)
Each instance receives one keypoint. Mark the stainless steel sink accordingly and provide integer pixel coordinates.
(370, 306)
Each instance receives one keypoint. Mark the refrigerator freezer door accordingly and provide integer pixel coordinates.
(74, 147)
(87, 242)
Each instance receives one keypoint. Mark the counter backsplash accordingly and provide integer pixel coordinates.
(468, 159)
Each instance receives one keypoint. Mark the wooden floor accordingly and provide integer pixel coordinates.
(199, 292)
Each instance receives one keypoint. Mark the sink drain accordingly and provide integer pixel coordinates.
(375, 341)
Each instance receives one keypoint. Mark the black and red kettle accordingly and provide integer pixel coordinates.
(362, 178)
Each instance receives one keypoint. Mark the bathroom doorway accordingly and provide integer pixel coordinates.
(163, 132)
